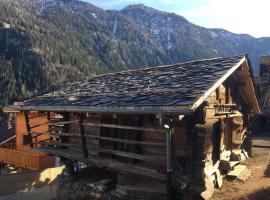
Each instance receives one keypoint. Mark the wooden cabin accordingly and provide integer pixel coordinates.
(265, 82)
(15, 150)
(169, 129)
(265, 71)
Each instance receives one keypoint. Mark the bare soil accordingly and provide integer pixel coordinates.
(257, 187)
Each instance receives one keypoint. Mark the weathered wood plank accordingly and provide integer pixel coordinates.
(56, 144)
(152, 159)
(40, 115)
(108, 164)
(83, 139)
(156, 130)
(126, 141)
(53, 124)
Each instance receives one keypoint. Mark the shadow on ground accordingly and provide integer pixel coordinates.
(261, 194)
(267, 171)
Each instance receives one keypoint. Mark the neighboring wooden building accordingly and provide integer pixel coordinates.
(177, 125)
(15, 150)
(265, 71)
(265, 81)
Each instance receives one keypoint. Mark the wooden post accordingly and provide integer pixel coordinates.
(49, 127)
(139, 135)
(169, 172)
(82, 131)
(28, 128)
(49, 118)
(64, 139)
(169, 161)
(115, 121)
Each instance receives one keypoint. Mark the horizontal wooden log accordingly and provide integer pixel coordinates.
(36, 135)
(261, 146)
(53, 124)
(108, 164)
(150, 158)
(126, 141)
(55, 144)
(156, 130)
(94, 150)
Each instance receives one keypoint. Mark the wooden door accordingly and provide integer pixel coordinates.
(228, 129)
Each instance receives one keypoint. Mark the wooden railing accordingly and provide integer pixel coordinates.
(29, 160)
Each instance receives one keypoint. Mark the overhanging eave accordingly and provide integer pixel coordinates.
(93, 109)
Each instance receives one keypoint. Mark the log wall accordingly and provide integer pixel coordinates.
(218, 138)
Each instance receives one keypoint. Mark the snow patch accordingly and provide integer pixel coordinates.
(114, 30)
(94, 15)
(213, 34)
(155, 31)
(169, 43)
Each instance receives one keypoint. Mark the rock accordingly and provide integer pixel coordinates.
(227, 165)
(245, 153)
(244, 175)
(235, 156)
(218, 179)
(103, 185)
(238, 169)
(4, 25)
(209, 188)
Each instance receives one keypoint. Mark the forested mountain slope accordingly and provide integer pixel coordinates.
(47, 43)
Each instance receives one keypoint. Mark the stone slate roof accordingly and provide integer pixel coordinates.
(172, 86)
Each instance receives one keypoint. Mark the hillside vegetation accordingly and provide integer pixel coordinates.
(48, 43)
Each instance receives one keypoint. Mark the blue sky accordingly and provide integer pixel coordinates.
(238, 16)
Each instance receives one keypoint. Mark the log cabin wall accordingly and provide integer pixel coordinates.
(100, 139)
(120, 144)
(232, 126)
(219, 137)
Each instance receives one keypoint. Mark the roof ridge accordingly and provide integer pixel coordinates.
(163, 66)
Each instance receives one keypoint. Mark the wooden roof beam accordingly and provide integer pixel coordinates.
(217, 84)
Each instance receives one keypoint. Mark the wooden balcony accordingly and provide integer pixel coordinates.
(26, 159)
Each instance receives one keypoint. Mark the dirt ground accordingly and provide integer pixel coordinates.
(257, 187)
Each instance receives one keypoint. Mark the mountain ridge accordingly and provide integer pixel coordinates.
(54, 42)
